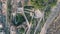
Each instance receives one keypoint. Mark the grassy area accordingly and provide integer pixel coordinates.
(9, 6)
(47, 12)
(41, 4)
(21, 30)
(28, 16)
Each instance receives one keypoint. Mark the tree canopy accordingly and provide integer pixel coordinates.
(42, 3)
(18, 19)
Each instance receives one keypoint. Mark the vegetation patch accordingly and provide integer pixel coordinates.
(18, 19)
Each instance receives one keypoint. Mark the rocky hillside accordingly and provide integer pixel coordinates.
(54, 28)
